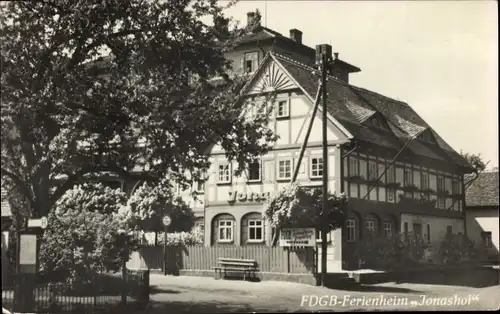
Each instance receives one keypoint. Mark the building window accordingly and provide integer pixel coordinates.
(391, 174)
(424, 180)
(251, 61)
(441, 202)
(391, 195)
(449, 231)
(486, 236)
(370, 226)
(351, 230)
(387, 229)
(455, 187)
(353, 167)
(200, 186)
(255, 230)
(284, 169)
(254, 172)
(200, 224)
(316, 167)
(224, 173)
(372, 170)
(408, 177)
(283, 109)
(417, 230)
(440, 184)
(225, 230)
(405, 228)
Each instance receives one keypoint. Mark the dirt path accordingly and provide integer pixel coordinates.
(206, 295)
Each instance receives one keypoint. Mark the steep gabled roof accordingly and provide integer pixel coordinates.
(483, 191)
(352, 105)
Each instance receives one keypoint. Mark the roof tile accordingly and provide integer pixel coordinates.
(483, 191)
(353, 105)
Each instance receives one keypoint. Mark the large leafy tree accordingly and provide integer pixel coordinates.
(92, 86)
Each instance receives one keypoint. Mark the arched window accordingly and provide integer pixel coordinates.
(223, 228)
(253, 228)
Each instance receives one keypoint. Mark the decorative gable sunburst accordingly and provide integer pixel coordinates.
(271, 78)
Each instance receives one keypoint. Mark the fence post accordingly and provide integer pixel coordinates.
(125, 284)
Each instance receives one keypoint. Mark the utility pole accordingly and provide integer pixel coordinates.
(323, 221)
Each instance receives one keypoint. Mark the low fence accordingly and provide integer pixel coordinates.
(269, 259)
(108, 291)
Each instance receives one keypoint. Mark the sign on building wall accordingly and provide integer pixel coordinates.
(28, 252)
(298, 237)
(248, 197)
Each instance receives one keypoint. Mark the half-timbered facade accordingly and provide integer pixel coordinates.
(400, 176)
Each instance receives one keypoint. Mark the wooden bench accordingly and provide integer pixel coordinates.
(247, 267)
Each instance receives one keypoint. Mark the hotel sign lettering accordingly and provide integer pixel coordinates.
(298, 237)
(248, 197)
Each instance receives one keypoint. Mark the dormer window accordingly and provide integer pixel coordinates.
(376, 123)
(427, 136)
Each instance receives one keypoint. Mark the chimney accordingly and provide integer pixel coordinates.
(296, 35)
(321, 50)
(250, 18)
(336, 54)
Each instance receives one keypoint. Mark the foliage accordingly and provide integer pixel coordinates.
(395, 251)
(193, 237)
(475, 160)
(456, 248)
(148, 204)
(87, 233)
(299, 206)
(104, 86)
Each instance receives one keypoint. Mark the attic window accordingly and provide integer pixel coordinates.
(427, 136)
(378, 124)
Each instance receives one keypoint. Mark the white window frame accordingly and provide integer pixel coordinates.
(387, 229)
(391, 174)
(370, 226)
(312, 169)
(440, 187)
(424, 180)
(199, 186)
(259, 162)
(372, 175)
(486, 239)
(225, 224)
(351, 230)
(441, 205)
(279, 177)
(229, 177)
(286, 112)
(256, 226)
(391, 191)
(407, 176)
(354, 162)
(253, 57)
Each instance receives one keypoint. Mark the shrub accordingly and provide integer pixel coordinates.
(398, 250)
(193, 237)
(86, 233)
(456, 248)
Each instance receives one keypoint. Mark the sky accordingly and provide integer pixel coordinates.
(440, 57)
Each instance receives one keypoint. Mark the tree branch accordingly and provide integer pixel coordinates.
(25, 191)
